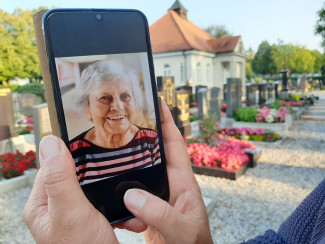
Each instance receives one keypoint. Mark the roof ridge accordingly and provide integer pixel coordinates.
(180, 30)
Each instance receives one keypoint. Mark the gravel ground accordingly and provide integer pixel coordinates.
(259, 200)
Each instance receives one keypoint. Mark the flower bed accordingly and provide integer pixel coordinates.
(16, 164)
(258, 134)
(249, 114)
(221, 157)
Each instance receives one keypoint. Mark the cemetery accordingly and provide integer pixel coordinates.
(255, 138)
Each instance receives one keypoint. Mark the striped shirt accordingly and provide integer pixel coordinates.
(95, 163)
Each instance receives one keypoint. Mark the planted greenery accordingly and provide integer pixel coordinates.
(246, 114)
(33, 88)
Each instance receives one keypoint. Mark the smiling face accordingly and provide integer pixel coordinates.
(112, 107)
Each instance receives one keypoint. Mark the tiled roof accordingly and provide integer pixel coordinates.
(224, 44)
(173, 33)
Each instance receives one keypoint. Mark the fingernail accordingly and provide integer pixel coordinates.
(135, 199)
(49, 147)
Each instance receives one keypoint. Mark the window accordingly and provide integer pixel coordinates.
(198, 72)
(182, 72)
(166, 70)
(208, 79)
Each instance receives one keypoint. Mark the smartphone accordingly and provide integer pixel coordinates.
(107, 105)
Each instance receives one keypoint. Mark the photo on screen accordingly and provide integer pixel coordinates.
(110, 116)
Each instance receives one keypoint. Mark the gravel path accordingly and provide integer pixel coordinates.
(259, 200)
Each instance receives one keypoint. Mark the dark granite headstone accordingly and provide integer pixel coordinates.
(234, 94)
(251, 94)
(202, 100)
(213, 102)
(276, 91)
(197, 88)
(261, 94)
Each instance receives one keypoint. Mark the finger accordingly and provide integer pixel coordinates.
(174, 144)
(36, 205)
(59, 177)
(135, 225)
(154, 212)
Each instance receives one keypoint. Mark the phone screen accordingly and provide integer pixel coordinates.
(106, 100)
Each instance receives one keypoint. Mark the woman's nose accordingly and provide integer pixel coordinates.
(117, 104)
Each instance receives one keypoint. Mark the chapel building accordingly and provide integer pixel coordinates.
(183, 50)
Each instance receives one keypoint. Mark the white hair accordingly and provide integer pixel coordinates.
(105, 71)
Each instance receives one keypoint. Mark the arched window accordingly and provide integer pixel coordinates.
(198, 72)
(166, 70)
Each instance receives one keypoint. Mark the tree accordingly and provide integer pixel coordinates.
(249, 59)
(18, 51)
(296, 58)
(320, 25)
(263, 62)
(217, 31)
(319, 60)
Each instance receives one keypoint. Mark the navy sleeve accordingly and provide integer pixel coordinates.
(305, 225)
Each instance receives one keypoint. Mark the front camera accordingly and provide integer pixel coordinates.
(98, 16)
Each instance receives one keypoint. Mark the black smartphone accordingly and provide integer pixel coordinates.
(107, 105)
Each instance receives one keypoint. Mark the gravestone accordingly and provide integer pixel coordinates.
(269, 92)
(183, 112)
(7, 111)
(41, 123)
(202, 101)
(197, 88)
(26, 101)
(188, 89)
(251, 94)
(166, 83)
(276, 89)
(177, 102)
(166, 88)
(261, 94)
(213, 102)
(234, 94)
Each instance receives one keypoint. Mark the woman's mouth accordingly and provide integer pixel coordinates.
(118, 117)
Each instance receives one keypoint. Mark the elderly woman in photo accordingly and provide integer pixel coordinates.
(110, 97)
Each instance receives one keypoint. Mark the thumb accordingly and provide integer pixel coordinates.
(59, 175)
(155, 212)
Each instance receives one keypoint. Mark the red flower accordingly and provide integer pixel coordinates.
(15, 164)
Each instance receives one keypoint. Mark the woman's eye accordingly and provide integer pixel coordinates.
(105, 99)
(125, 97)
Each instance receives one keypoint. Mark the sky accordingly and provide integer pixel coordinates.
(292, 21)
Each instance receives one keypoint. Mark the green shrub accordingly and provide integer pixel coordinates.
(33, 88)
(295, 97)
(13, 87)
(246, 114)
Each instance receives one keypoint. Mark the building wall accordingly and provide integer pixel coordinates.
(210, 71)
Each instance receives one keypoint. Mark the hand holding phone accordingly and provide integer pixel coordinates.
(68, 217)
